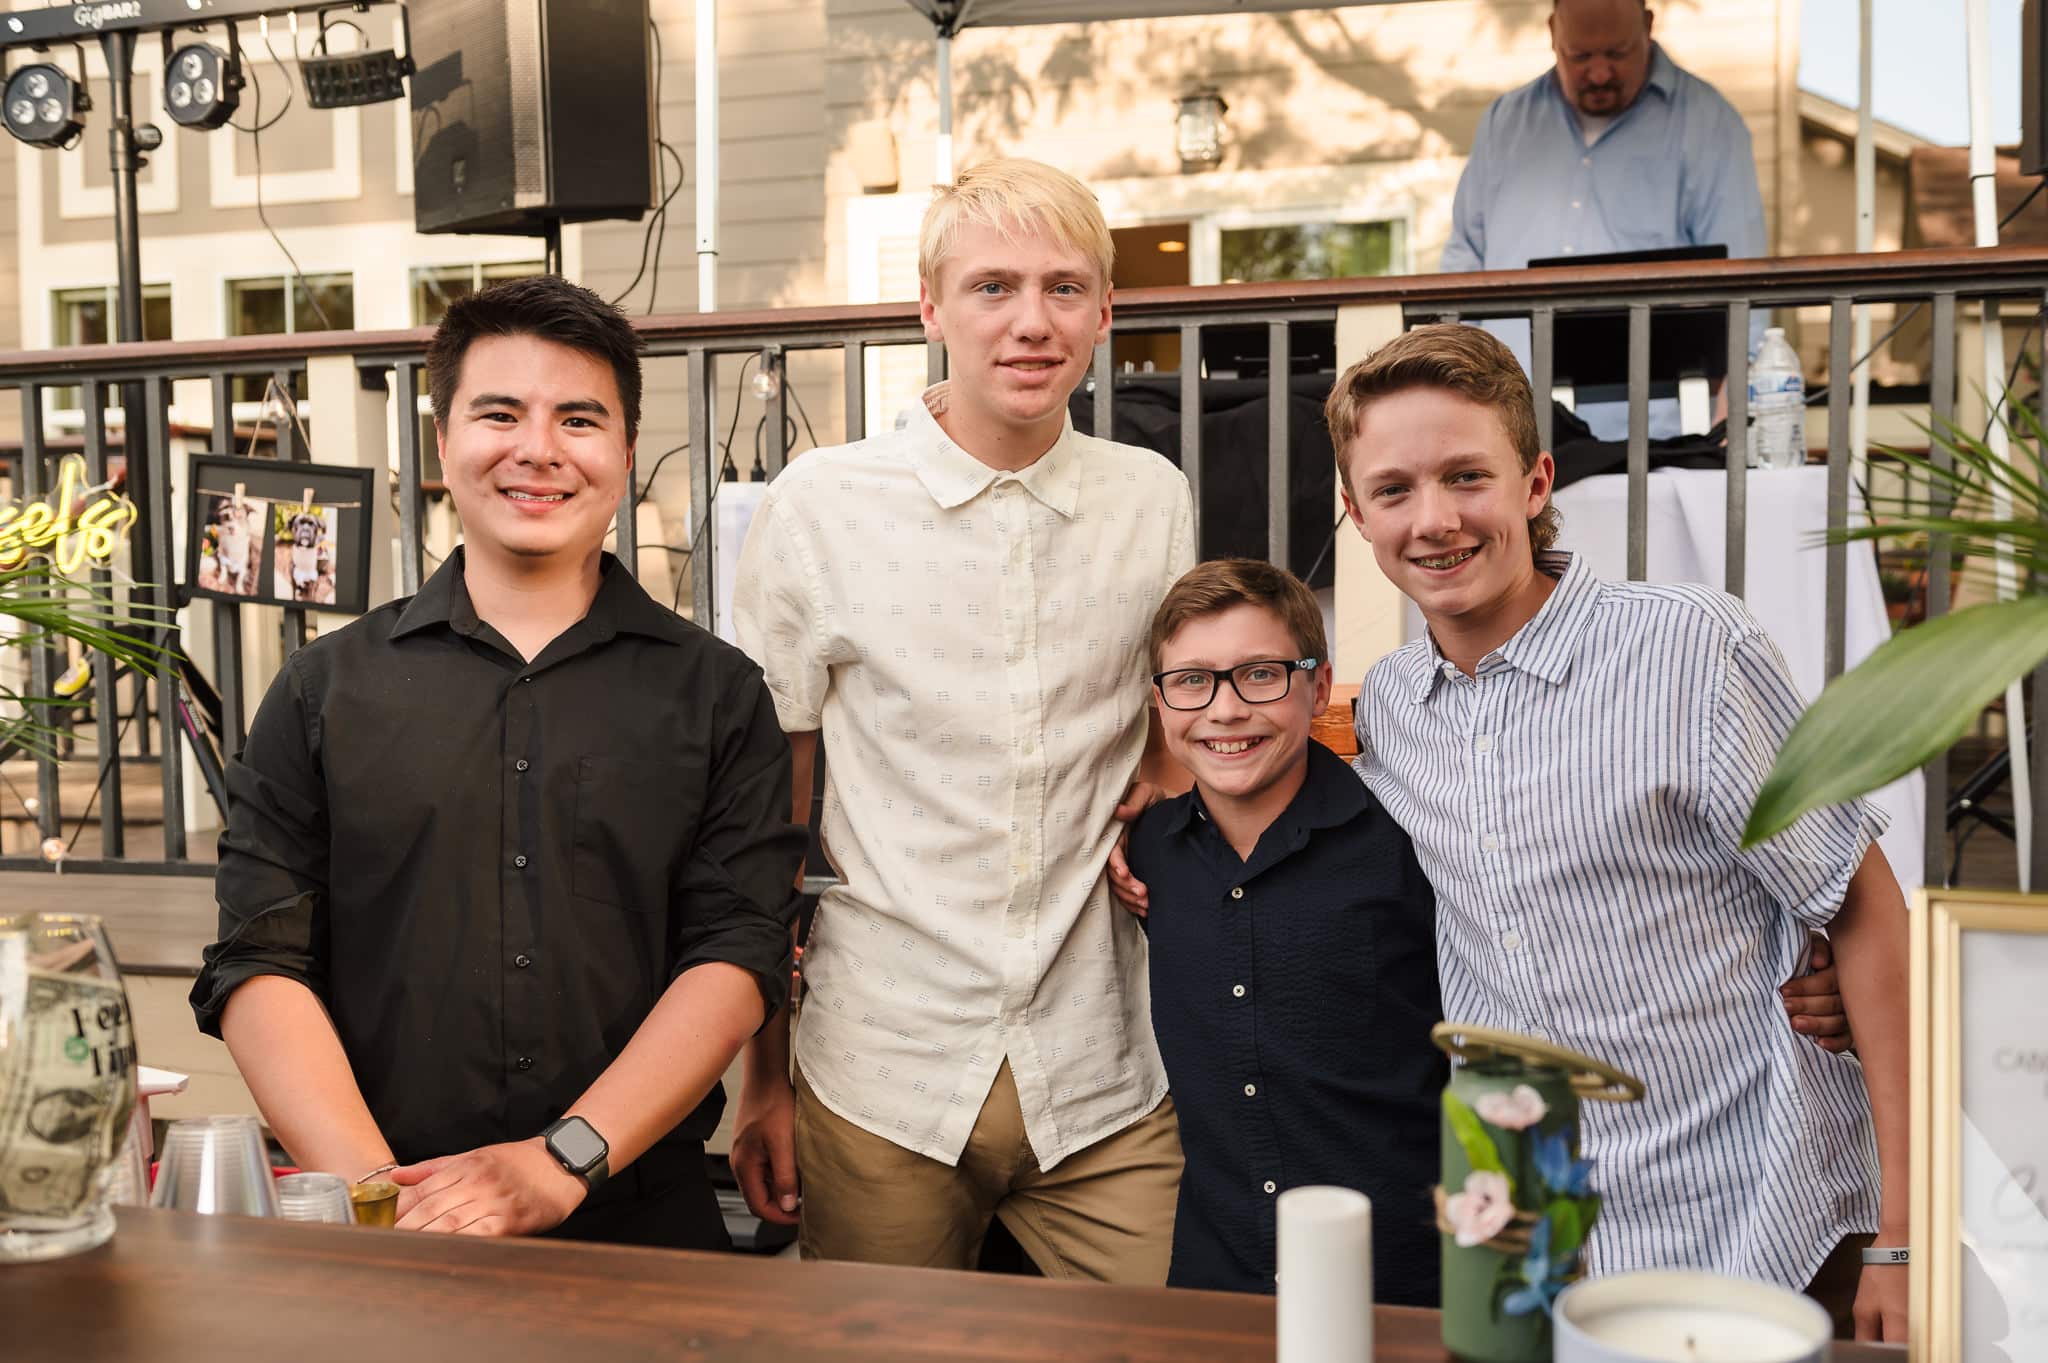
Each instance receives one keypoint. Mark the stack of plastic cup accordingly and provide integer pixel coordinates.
(216, 1165)
(314, 1197)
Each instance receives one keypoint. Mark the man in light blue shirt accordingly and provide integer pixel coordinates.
(1613, 149)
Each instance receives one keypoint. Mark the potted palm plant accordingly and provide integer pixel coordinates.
(1920, 691)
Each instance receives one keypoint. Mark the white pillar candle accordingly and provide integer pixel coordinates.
(1325, 1286)
(1667, 1316)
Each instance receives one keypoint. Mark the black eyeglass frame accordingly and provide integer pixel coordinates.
(1219, 675)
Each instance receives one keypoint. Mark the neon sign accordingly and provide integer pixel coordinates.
(57, 527)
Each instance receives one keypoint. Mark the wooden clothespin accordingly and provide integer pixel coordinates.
(239, 489)
(306, 502)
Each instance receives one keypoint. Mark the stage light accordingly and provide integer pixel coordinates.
(44, 107)
(354, 78)
(203, 85)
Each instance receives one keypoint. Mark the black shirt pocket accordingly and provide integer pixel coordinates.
(635, 822)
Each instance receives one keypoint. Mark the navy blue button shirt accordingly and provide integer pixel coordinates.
(1292, 995)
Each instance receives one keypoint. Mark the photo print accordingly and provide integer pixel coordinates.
(303, 553)
(231, 544)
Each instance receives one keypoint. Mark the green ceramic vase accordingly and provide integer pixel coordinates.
(1516, 1202)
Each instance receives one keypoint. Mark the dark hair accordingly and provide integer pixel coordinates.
(1457, 359)
(1214, 587)
(546, 306)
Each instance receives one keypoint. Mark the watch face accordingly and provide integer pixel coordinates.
(577, 1144)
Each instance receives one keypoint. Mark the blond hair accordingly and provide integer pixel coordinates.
(1455, 358)
(1014, 196)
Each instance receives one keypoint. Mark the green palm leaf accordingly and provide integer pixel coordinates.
(51, 609)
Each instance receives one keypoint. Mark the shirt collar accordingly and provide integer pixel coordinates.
(954, 477)
(621, 606)
(1545, 646)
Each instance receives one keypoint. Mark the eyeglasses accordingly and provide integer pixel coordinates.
(1259, 683)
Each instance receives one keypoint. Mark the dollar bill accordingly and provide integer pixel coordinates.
(67, 1087)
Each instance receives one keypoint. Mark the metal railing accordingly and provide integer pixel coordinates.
(1292, 317)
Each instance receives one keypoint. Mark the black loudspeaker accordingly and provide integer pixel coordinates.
(527, 112)
(2033, 112)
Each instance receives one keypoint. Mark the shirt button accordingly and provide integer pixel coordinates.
(526, 679)
(1585, 160)
(1489, 843)
(1271, 1186)
(1575, 203)
(1251, 1090)
(1511, 940)
(521, 765)
(1483, 744)
(520, 862)
(525, 1062)
(1237, 893)
(522, 960)
(1237, 991)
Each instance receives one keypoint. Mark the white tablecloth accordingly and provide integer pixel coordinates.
(1786, 576)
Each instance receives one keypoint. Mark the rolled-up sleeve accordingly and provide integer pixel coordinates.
(1807, 867)
(735, 898)
(271, 883)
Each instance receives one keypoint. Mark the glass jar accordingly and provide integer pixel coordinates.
(1516, 1202)
(67, 1083)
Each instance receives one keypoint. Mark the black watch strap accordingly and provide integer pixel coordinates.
(577, 1147)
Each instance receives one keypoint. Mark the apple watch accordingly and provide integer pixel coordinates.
(579, 1149)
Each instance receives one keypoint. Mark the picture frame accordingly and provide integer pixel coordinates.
(1979, 1027)
(278, 533)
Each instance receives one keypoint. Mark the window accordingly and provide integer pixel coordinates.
(266, 307)
(87, 317)
(436, 287)
(1309, 250)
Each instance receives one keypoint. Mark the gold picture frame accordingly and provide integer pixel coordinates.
(1980, 1173)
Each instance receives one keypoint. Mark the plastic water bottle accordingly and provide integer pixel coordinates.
(1777, 403)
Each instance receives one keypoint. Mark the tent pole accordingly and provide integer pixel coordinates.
(1866, 240)
(1984, 204)
(707, 155)
(942, 171)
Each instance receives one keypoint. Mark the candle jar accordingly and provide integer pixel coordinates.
(1675, 1316)
(1516, 1202)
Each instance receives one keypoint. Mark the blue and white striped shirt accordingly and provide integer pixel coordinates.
(1578, 807)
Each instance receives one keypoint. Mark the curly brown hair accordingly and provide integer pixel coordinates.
(1457, 358)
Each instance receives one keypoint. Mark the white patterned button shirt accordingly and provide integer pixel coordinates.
(972, 646)
(1578, 807)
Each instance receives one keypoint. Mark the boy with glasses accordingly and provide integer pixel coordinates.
(1294, 977)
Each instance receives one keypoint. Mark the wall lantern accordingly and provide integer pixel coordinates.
(1198, 130)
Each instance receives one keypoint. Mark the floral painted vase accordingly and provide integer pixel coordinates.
(1516, 1202)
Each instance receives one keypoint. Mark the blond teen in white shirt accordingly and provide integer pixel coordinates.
(959, 608)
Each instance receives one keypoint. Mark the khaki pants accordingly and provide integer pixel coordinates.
(1104, 1213)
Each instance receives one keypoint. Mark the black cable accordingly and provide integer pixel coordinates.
(106, 759)
(661, 237)
(256, 89)
(717, 482)
(1817, 394)
(1328, 545)
(2021, 206)
(800, 409)
(321, 46)
(654, 472)
(255, 132)
(657, 221)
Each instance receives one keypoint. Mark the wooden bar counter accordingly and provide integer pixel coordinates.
(178, 1288)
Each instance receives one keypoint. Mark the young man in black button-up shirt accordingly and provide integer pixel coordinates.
(507, 874)
(1294, 954)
